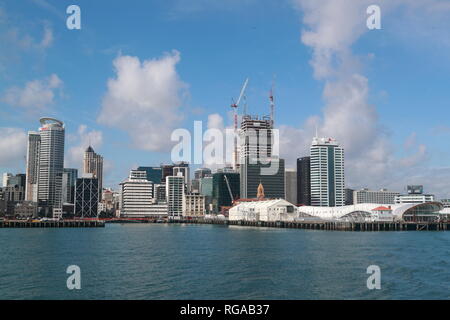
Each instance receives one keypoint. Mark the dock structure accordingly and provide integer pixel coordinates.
(52, 224)
(330, 225)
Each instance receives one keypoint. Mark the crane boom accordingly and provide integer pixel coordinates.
(229, 188)
(242, 92)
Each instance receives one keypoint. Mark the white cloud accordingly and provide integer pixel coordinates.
(35, 94)
(144, 99)
(80, 142)
(13, 146)
(331, 27)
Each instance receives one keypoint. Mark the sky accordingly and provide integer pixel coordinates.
(137, 70)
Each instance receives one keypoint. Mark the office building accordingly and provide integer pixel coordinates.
(304, 181)
(290, 180)
(222, 185)
(5, 178)
(382, 196)
(136, 195)
(154, 174)
(327, 173)
(32, 166)
(175, 190)
(51, 163)
(86, 197)
(414, 198)
(182, 168)
(93, 164)
(348, 196)
(166, 170)
(193, 205)
(69, 180)
(257, 164)
(160, 193)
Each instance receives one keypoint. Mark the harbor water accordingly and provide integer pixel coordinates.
(186, 261)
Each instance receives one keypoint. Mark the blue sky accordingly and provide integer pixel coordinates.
(219, 44)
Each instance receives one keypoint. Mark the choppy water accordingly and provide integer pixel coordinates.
(157, 261)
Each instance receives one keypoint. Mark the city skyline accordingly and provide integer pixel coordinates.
(384, 151)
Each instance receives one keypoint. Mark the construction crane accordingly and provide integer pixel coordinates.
(272, 103)
(229, 188)
(235, 106)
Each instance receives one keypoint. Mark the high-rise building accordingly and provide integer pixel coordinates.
(5, 178)
(93, 164)
(51, 163)
(167, 170)
(201, 173)
(136, 195)
(290, 181)
(154, 174)
(304, 181)
(349, 199)
(174, 195)
(32, 170)
(160, 193)
(257, 164)
(221, 188)
(327, 173)
(182, 168)
(382, 196)
(69, 180)
(86, 197)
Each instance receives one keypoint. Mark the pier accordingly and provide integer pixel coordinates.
(52, 224)
(330, 225)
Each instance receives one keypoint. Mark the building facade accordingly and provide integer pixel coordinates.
(174, 195)
(290, 180)
(154, 174)
(304, 181)
(220, 191)
(69, 180)
(32, 170)
(194, 205)
(383, 196)
(136, 195)
(51, 163)
(86, 197)
(327, 173)
(93, 164)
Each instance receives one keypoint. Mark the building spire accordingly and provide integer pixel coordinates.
(260, 193)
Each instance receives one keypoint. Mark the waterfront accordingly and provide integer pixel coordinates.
(178, 261)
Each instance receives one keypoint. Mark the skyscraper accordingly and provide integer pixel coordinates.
(32, 170)
(290, 180)
(221, 188)
(174, 195)
(327, 173)
(304, 181)
(93, 163)
(51, 162)
(69, 180)
(86, 197)
(256, 142)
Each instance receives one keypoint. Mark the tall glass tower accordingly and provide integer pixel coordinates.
(51, 162)
(327, 173)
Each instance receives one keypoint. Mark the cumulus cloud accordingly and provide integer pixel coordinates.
(38, 93)
(80, 141)
(13, 146)
(331, 27)
(144, 99)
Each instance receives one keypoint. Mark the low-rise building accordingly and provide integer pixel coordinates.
(193, 205)
(374, 196)
(264, 210)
